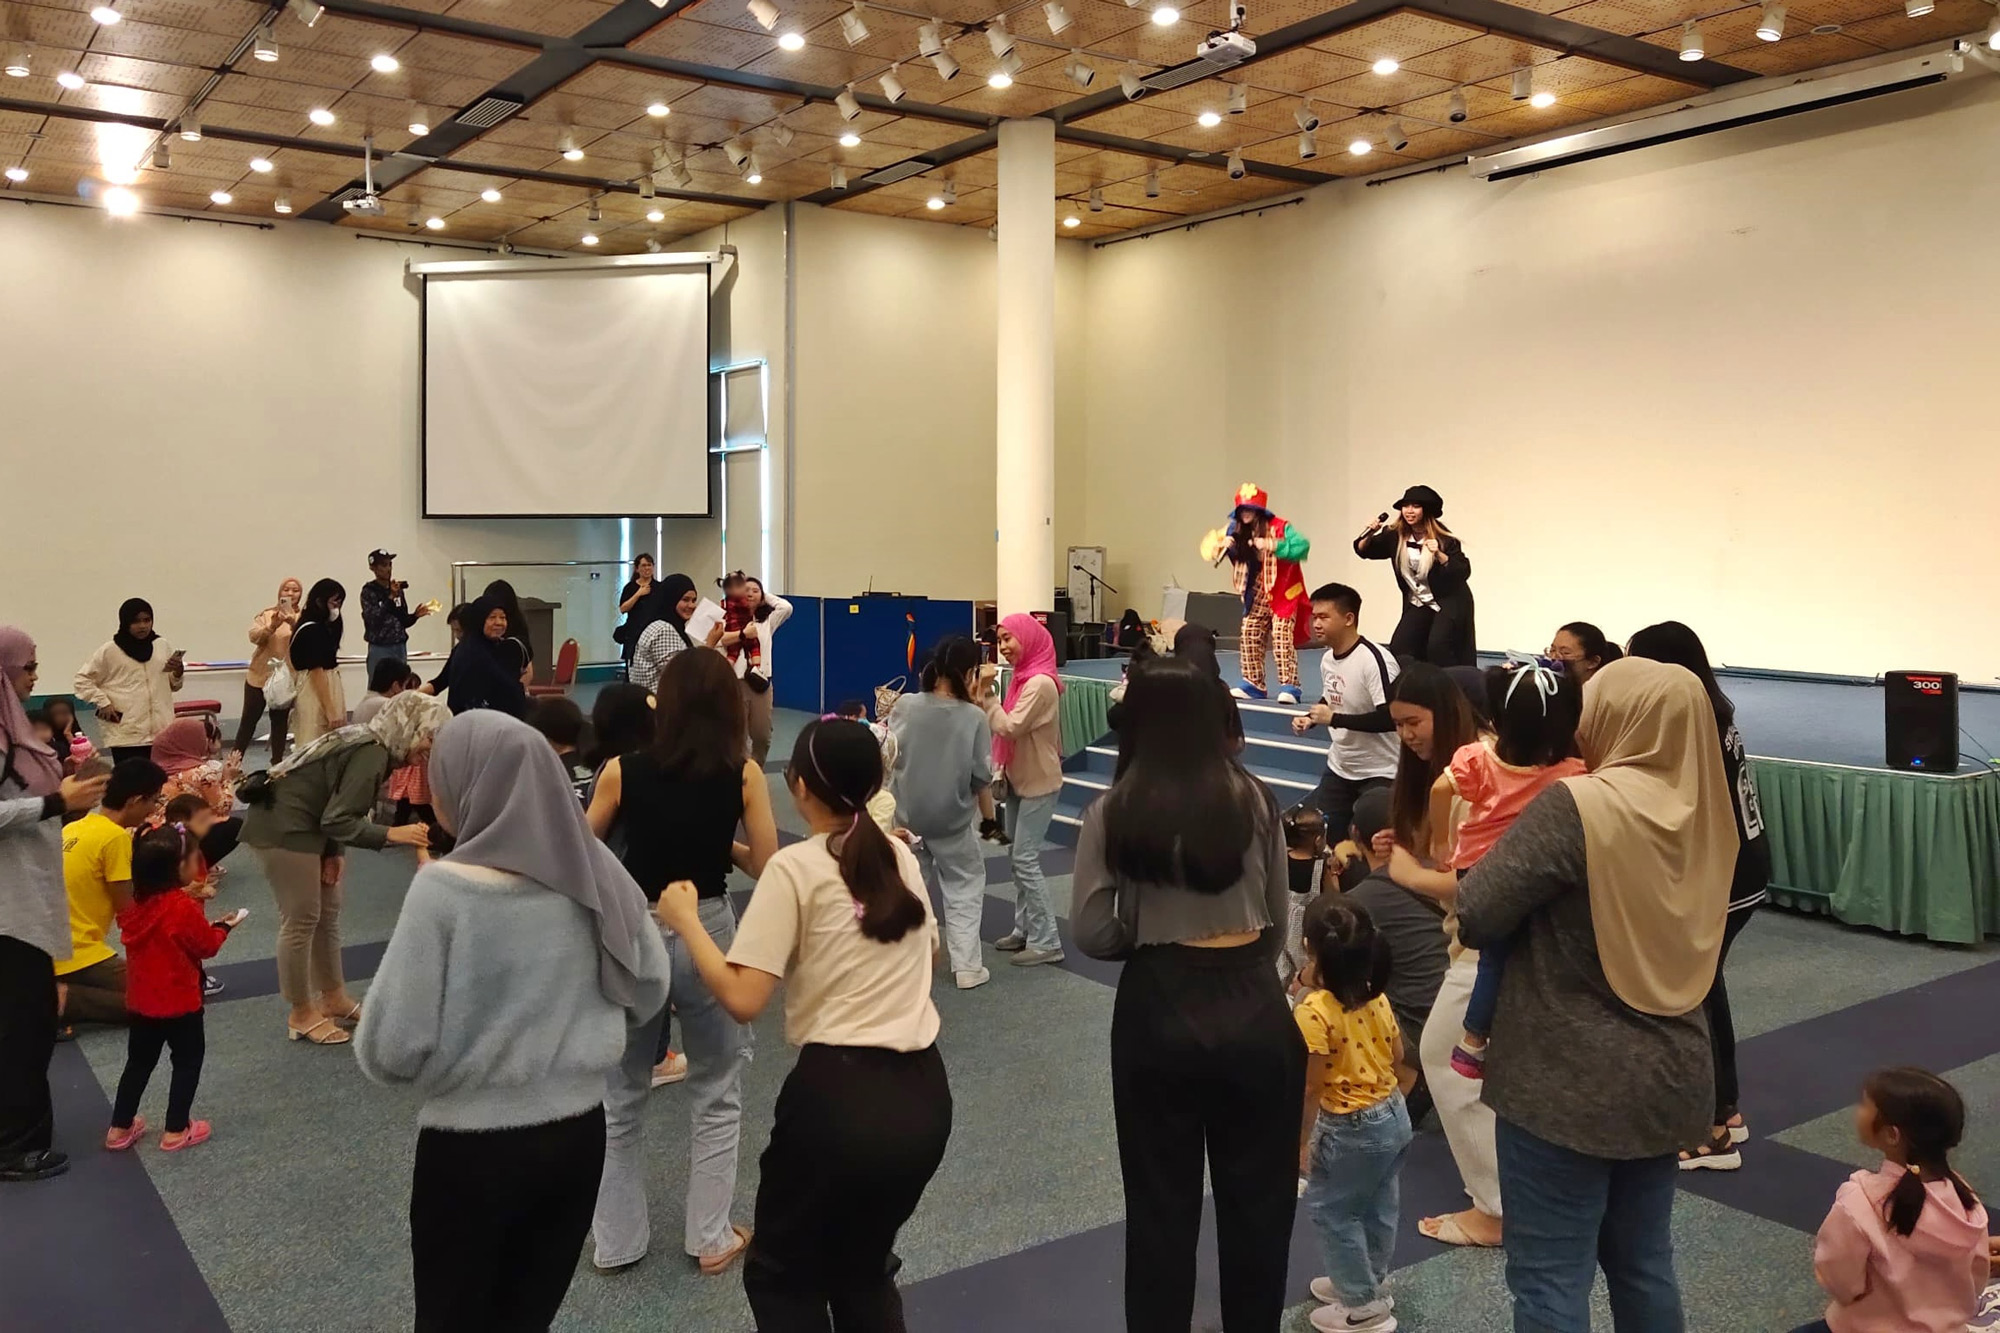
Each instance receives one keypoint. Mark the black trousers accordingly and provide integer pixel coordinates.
(246, 730)
(27, 1040)
(857, 1136)
(184, 1036)
(497, 1221)
(1721, 1026)
(1335, 796)
(1442, 637)
(121, 753)
(1206, 1060)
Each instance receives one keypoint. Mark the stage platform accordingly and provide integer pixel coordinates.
(1913, 853)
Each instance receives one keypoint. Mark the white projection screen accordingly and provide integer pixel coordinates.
(570, 392)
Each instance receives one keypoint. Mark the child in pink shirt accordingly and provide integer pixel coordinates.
(1904, 1248)
(1535, 712)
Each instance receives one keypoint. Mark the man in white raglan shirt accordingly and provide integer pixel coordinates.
(1355, 675)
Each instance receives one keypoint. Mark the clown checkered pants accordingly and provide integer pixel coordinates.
(1262, 633)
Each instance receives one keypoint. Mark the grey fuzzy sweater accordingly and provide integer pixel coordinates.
(1570, 1062)
(487, 1002)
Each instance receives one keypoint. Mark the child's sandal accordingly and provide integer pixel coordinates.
(1718, 1154)
(196, 1132)
(118, 1140)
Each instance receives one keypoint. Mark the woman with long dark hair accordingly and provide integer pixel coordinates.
(1181, 872)
(482, 671)
(1671, 641)
(862, 1121)
(322, 701)
(680, 801)
(1433, 572)
(1434, 720)
(943, 761)
(131, 682)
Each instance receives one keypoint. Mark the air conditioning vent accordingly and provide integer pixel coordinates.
(902, 171)
(1179, 76)
(489, 111)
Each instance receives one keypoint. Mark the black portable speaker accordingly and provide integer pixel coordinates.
(1920, 720)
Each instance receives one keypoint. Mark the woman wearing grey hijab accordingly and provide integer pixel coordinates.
(518, 963)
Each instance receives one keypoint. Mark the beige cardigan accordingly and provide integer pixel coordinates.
(143, 692)
(270, 645)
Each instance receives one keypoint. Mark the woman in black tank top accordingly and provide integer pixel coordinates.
(679, 804)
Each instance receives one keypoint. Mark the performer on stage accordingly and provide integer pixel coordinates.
(1432, 568)
(1264, 553)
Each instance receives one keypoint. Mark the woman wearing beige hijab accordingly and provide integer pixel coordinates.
(1613, 888)
(270, 649)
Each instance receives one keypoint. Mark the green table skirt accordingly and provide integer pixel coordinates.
(1905, 852)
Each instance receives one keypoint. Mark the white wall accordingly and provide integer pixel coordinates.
(1738, 381)
(195, 411)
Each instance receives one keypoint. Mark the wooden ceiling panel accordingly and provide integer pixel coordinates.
(1402, 36)
(592, 112)
(1151, 44)
(1369, 91)
(890, 36)
(1134, 120)
(878, 203)
(1894, 32)
(1303, 68)
(1521, 121)
(65, 29)
(1571, 74)
(1019, 100)
(259, 119)
(1659, 15)
(635, 87)
(465, 57)
(230, 17)
(1722, 36)
(166, 46)
(310, 69)
(489, 152)
(1429, 145)
(733, 106)
(1480, 100)
(126, 72)
(1093, 21)
(1484, 57)
(339, 35)
(1613, 16)
(831, 66)
(916, 134)
(1808, 14)
(1100, 168)
(1796, 54)
(704, 43)
(551, 18)
(1636, 93)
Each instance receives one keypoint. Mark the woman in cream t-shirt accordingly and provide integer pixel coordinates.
(844, 921)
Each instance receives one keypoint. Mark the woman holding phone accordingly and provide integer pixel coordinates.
(270, 648)
(131, 682)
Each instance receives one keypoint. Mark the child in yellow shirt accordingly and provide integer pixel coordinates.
(1356, 1127)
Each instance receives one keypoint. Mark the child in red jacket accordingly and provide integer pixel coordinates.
(166, 936)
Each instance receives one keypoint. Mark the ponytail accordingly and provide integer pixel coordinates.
(840, 763)
(954, 658)
(1929, 1113)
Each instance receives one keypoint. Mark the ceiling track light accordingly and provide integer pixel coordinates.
(764, 12)
(163, 159)
(652, 245)
(420, 123)
(849, 104)
(282, 204)
(1003, 73)
(1152, 182)
(20, 62)
(853, 27)
(595, 213)
(190, 128)
(1057, 16)
(266, 46)
(734, 150)
(678, 173)
(837, 178)
(1239, 99)
(570, 152)
(1080, 71)
(946, 67)
(1097, 198)
(1128, 79)
(1992, 35)
(929, 39)
(1308, 146)
(306, 11)
(1771, 22)
(1235, 166)
(1694, 48)
(1523, 85)
(1397, 138)
(1916, 9)
(1305, 117)
(998, 39)
(892, 85)
(646, 190)
(951, 192)
(753, 174)
(1457, 112)
(782, 134)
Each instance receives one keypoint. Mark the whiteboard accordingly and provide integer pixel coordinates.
(578, 393)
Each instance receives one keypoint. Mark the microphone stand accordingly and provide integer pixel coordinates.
(1095, 584)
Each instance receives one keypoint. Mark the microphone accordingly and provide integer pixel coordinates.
(1376, 526)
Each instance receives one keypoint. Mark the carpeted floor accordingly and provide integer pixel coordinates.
(292, 1219)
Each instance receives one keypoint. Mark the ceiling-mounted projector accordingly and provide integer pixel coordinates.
(1226, 50)
(367, 206)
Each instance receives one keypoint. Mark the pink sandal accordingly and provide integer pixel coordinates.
(196, 1132)
(118, 1140)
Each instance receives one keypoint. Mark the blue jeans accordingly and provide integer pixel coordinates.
(1028, 825)
(1569, 1214)
(960, 864)
(1486, 989)
(383, 652)
(1353, 1194)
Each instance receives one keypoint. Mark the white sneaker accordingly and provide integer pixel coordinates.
(1373, 1317)
(1288, 694)
(972, 980)
(670, 1070)
(1322, 1290)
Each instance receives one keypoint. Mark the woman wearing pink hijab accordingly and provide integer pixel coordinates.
(1027, 746)
(34, 917)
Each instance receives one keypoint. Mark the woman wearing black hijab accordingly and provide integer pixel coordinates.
(481, 670)
(130, 681)
(502, 592)
(674, 600)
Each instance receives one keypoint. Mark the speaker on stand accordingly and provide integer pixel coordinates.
(1920, 720)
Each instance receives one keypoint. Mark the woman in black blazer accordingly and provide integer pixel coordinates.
(1434, 575)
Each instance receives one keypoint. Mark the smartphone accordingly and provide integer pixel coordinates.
(238, 917)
